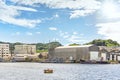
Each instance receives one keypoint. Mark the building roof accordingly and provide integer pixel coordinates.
(24, 45)
(110, 49)
(4, 44)
(82, 46)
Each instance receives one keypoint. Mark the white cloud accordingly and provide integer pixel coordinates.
(25, 2)
(71, 4)
(75, 33)
(110, 9)
(110, 30)
(20, 22)
(79, 13)
(78, 7)
(9, 13)
(23, 8)
(52, 28)
(38, 32)
(29, 33)
(72, 38)
(56, 16)
(51, 18)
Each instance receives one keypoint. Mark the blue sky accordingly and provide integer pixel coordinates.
(66, 21)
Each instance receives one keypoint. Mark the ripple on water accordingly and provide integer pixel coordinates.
(34, 71)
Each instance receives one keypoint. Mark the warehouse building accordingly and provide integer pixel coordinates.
(75, 53)
(22, 52)
(25, 49)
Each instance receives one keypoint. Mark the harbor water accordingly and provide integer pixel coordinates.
(35, 71)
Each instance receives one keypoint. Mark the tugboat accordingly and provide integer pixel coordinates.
(48, 71)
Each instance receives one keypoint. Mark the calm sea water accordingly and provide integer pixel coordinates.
(34, 71)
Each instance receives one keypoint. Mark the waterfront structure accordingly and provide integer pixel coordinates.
(110, 53)
(115, 54)
(4, 51)
(104, 53)
(22, 52)
(75, 53)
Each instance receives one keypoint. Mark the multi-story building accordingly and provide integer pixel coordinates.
(23, 51)
(4, 51)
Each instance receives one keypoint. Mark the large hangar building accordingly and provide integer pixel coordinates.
(76, 53)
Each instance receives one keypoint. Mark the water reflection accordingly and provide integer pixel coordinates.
(34, 71)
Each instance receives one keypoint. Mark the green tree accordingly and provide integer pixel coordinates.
(74, 44)
(53, 45)
(44, 47)
(41, 46)
(100, 42)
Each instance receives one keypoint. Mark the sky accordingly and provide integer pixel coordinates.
(65, 21)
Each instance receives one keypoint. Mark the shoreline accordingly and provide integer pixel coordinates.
(60, 63)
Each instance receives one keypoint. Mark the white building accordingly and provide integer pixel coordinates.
(21, 52)
(4, 51)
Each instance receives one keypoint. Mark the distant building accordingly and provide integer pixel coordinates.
(25, 49)
(115, 54)
(76, 53)
(22, 52)
(4, 51)
(104, 53)
(110, 53)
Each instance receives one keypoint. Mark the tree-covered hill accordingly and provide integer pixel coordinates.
(108, 42)
(40, 47)
(74, 44)
(44, 47)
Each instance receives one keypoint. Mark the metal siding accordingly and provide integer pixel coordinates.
(94, 55)
(82, 53)
(65, 53)
(76, 52)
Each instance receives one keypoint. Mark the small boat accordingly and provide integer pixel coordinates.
(48, 71)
